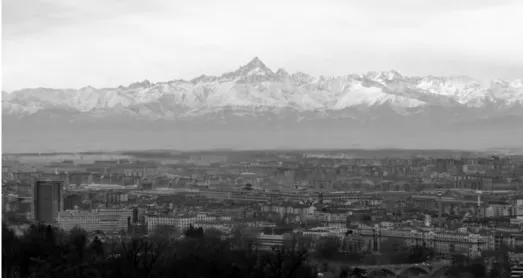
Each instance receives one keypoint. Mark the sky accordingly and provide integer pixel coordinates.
(107, 43)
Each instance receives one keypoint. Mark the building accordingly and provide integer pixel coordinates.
(443, 242)
(267, 242)
(516, 271)
(500, 209)
(352, 243)
(325, 232)
(47, 200)
(183, 222)
(146, 185)
(105, 220)
(449, 204)
(140, 171)
(476, 168)
(208, 159)
(288, 209)
(114, 220)
(9, 202)
(225, 228)
(112, 198)
(472, 182)
(343, 196)
(85, 220)
(234, 195)
(80, 178)
(72, 201)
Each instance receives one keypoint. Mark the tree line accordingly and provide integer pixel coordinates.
(44, 251)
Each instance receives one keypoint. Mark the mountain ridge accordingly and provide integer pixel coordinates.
(257, 86)
(255, 106)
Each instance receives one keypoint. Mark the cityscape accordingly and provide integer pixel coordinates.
(345, 207)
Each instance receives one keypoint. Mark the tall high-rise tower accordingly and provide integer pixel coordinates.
(47, 200)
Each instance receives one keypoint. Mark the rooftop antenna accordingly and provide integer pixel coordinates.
(479, 192)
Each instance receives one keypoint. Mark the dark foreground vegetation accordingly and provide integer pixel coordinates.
(44, 251)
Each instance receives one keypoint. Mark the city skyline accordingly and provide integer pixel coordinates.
(173, 40)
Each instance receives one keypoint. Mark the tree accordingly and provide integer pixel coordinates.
(501, 265)
(97, 248)
(10, 252)
(478, 270)
(500, 270)
(393, 251)
(164, 231)
(392, 245)
(304, 242)
(328, 247)
(370, 259)
(213, 233)
(284, 263)
(78, 243)
(463, 267)
(419, 254)
(236, 238)
(345, 272)
(122, 233)
(11, 217)
(358, 273)
(194, 233)
(47, 252)
(289, 241)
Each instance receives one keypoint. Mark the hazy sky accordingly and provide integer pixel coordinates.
(74, 43)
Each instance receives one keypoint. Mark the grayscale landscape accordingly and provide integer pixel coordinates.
(262, 139)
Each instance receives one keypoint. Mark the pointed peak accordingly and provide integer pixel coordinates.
(256, 63)
(255, 60)
(254, 70)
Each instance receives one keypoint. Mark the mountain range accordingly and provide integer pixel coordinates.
(256, 107)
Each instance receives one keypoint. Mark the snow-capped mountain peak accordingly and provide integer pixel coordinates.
(256, 63)
(253, 71)
(384, 77)
(255, 87)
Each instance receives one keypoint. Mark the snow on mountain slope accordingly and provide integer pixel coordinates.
(256, 87)
(473, 93)
(361, 95)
